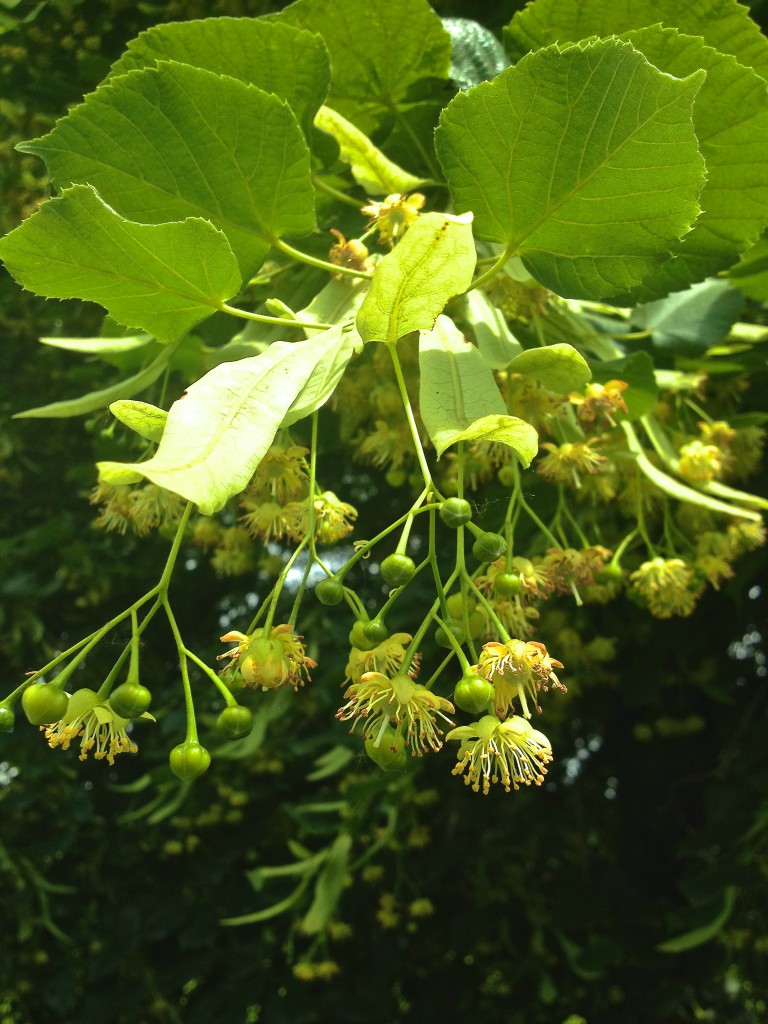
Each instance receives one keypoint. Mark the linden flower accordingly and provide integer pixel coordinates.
(386, 658)
(700, 462)
(377, 701)
(333, 518)
(98, 727)
(269, 661)
(565, 461)
(394, 215)
(600, 400)
(511, 752)
(668, 585)
(515, 668)
(282, 473)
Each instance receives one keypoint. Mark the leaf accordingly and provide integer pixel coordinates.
(477, 55)
(146, 420)
(164, 278)
(278, 58)
(636, 370)
(100, 346)
(433, 262)
(381, 50)
(593, 203)
(495, 342)
(459, 399)
(371, 169)
(750, 276)
(730, 117)
(328, 886)
(723, 24)
(689, 322)
(95, 400)
(330, 763)
(558, 368)
(337, 301)
(698, 936)
(220, 429)
(323, 379)
(175, 141)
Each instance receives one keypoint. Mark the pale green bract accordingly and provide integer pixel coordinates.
(583, 161)
(163, 278)
(433, 263)
(171, 142)
(459, 399)
(558, 368)
(218, 432)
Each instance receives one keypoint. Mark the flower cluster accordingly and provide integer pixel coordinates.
(518, 670)
(511, 752)
(96, 724)
(269, 659)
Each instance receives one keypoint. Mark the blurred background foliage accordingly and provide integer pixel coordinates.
(541, 907)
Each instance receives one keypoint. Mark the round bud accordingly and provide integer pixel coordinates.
(610, 573)
(455, 605)
(44, 703)
(387, 750)
(234, 722)
(358, 639)
(506, 476)
(473, 694)
(476, 624)
(329, 591)
(507, 584)
(455, 512)
(488, 547)
(130, 700)
(441, 637)
(189, 760)
(375, 631)
(397, 570)
(7, 718)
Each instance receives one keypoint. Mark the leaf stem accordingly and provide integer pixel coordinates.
(262, 318)
(313, 261)
(493, 270)
(412, 422)
(329, 190)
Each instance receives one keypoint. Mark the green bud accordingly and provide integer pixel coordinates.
(7, 718)
(130, 700)
(44, 703)
(235, 722)
(455, 512)
(189, 760)
(375, 631)
(473, 694)
(329, 591)
(488, 547)
(397, 570)
(507, 584)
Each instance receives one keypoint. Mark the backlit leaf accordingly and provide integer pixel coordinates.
(220, 429)
(146, 420)
(558, 367)
(433, 262)
(163, 278)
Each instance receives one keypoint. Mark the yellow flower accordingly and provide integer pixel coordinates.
(377, 701)
(271, 660)
(566, 461)
(333, 518)
(517, 668)
(99, 728)
(668, 585)
(282, 473)
(700, 462)
(386, 658)
(394, 215)
(511, 752)
(600, 400)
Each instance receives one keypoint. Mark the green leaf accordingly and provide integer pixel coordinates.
(95, 400)
(100, 346)
(433, 262)
(381, 50)
(698, 936)
(164, 278)
(477, 55)
(328, 886)
(220, 429)
(723, 24)
(323, 379)
(175, 141)
(278, 58)
(330, 763)
(459, 399)
(730, 117)
(371, 169)
(750, 276)
(496, 343)
(558, 368)
(637, 371)
(690, 322)
(146, 420)
(595, 202)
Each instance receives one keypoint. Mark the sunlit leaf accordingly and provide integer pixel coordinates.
(557, 367)
(433, 262)
(146, 420)
(594, 202)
